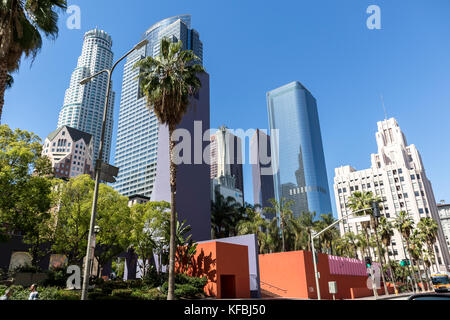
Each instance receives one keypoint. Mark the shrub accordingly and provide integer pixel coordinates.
(122, 293)
(56, 278)
(152, 294)
(186, 286)
(68, 295)
(108, 286)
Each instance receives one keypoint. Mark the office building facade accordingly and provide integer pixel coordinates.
(444, 216)
(397, 175)
(142, 150)
(261, 166)
(226, 156)
(70, 151)
(298, 151)
(137, 136)
(84, 104)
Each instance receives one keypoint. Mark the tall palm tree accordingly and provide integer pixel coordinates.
(283, 209)
(273, 237)
(429, 228)
(361, 200)
(405, 225)
(309, 224)
(328, 236)
(386, 232)
(254, 224)
(415, 253)
(351, 241)
(169, 81)
(21, 24)
(296, 232)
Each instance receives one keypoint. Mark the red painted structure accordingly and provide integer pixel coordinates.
(291, 275)
(226, 267)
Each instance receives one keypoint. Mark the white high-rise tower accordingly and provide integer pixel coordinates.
(84, 104)
(397, 176)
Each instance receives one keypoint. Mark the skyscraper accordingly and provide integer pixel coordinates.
(298, 151)
(262, 181)
(226, 156)
(84, 104)
(142, 151)
(226, 165)
(137, 136)
(397, 176)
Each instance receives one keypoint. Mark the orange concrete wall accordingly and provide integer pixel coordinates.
(232, 259)
(214, 259)
(291, 275)
(283, 274)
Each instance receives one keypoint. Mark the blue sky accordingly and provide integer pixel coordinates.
(251, 47)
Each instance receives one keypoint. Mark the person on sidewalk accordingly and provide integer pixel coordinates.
(34, 294)
(7, 294)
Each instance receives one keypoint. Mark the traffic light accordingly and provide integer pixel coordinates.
(375, 210)
(368, 262)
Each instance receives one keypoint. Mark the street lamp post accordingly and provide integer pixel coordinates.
(313, 249)
(98, 167)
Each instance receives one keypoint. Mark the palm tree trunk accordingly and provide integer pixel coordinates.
(430, 283)
(436, 262)
(381, 264)
(3, 76)
(420, 276)
(173, 219)
(412, 267)
(426, 273)
(388, 261)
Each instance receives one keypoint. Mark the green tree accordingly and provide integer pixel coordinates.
(113, 218)
(386, 232)
(283, 211)
(359, 201)
(25, 182)
(405, 225)
(328, 236)
(148, 233)
(168, 81)
(223, 211)
(429, 229)
(72, 218)
(416, 253)
(21, 24)
(254, 224)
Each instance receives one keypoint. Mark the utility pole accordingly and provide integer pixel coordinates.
(103, 171)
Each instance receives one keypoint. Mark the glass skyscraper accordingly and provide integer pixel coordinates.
(84, 104)
(137, 136)
(298, 151)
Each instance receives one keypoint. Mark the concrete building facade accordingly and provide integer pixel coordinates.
(397, 175)
(226, 156)
(262, 181)
(444, 215)
(70, 151)
(84, 104)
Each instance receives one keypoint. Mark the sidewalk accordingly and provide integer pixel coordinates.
(391, 296)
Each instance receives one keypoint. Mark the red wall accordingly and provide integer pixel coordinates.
(214, 259)
(293, 272)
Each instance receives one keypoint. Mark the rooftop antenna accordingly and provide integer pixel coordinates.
(384, 107)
